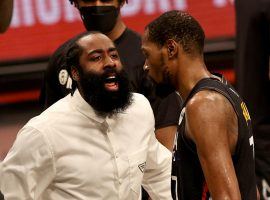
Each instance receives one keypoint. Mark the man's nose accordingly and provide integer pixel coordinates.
(109, 63)
(99, 3)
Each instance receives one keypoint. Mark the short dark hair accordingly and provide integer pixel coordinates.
(74, 51)
(181, 27)
(120, 1)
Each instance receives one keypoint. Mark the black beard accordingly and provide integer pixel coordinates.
(103, 101)
(164, 88)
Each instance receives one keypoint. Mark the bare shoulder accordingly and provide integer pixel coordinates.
(208, 102)
(209, 111)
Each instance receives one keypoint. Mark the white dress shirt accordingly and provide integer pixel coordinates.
(70, 152)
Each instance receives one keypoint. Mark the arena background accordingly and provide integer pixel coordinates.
(38, 27)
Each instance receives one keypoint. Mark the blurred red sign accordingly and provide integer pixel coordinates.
(39, 26)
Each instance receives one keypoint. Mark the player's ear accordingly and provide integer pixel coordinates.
(75, 74)
(172, 48)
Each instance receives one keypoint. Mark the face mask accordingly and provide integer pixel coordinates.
(99, 18)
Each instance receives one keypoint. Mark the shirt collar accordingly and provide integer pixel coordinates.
(83, 107)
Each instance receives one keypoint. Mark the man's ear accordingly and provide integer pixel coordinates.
(75, 73)
(172, 48)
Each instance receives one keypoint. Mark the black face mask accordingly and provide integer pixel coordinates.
(99, 18)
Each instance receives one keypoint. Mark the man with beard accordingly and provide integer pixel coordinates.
(214, 149)
(104, 16)
(97, 143)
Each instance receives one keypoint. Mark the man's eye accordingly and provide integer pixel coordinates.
(88, 1)
(114, 56)
(95, 58)
(107, 1)
(146, 55)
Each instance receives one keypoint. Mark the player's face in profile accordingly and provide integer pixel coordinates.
(154, 62)
(103, 82)
(156, 66)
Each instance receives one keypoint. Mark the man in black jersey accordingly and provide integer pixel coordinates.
(104, 16)
(213, 153)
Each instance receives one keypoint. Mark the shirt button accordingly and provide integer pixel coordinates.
(120, 181)
(116, 155)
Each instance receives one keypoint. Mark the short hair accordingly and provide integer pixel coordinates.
(74, 51)
(119, 1)
(181, 27)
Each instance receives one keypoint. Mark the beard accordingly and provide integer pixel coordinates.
(164, 88)
(103, 101)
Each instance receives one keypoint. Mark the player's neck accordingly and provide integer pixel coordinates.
(192, 71)
(118, 30)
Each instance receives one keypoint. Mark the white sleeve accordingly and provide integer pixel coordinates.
(28, 168)
(157, 176)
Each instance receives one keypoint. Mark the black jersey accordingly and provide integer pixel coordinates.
(188, 181)
(58, 83)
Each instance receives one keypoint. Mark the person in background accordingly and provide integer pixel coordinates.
(253, 78)
(214, 150)
(104, 16)
(88, 144)
(6, 8)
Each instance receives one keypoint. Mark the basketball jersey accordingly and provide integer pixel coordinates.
(188, 181)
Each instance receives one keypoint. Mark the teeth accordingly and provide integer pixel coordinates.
(111, 77)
